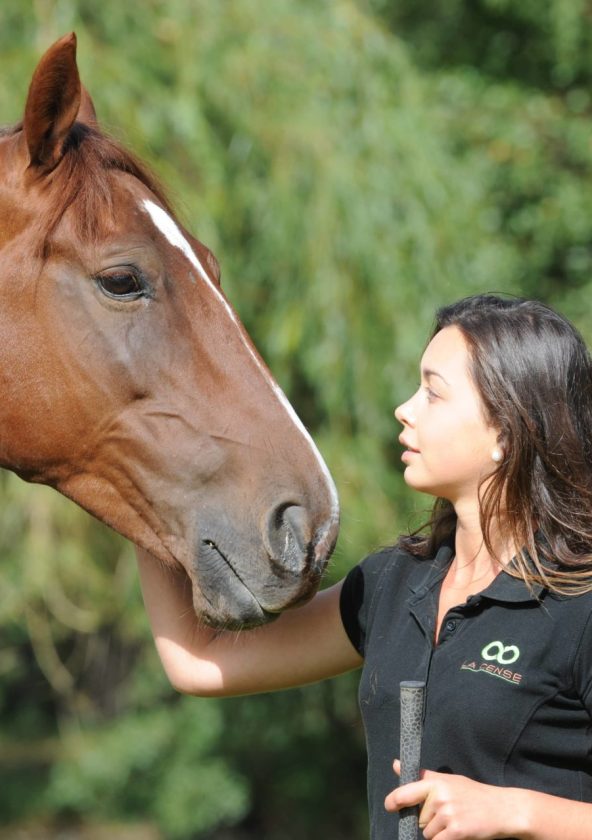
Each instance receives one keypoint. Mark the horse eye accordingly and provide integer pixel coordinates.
(122, 285)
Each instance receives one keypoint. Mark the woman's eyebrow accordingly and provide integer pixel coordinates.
(427, 372)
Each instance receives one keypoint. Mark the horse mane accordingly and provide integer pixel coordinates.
(83, 181)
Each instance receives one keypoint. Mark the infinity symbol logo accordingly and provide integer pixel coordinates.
(500, 653)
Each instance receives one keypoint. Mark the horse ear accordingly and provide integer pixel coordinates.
(86, 111)
(52, 103)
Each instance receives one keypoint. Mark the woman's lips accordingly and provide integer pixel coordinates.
(408, 452)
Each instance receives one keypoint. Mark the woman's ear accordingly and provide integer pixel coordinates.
(500, 450)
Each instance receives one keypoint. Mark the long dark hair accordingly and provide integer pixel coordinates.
(534, 375)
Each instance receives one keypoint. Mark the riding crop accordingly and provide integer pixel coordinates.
(412, 700)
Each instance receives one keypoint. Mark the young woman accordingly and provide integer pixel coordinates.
(491, 605)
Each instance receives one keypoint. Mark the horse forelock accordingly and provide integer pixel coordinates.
(84, 181)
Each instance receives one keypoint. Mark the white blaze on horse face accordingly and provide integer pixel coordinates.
(170, 230)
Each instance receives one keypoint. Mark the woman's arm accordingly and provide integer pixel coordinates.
(458, 808)
(303, 645)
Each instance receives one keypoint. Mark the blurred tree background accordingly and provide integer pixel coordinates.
(353, 165)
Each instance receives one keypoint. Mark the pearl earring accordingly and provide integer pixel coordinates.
(497, 455)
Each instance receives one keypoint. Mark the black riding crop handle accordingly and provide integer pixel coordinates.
(412, 700)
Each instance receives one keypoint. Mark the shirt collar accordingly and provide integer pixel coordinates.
(504, 587)
(435, 569)
(516, 590)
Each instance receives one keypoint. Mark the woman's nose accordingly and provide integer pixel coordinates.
(404, 413)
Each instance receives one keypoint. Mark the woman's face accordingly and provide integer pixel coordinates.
(448, 442)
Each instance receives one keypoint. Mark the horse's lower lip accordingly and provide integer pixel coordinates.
(223, 557)
(246, 611)
(230, 623)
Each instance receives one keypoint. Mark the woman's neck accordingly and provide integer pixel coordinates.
(473, 561)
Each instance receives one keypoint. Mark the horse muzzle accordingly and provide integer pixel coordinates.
(244, 587)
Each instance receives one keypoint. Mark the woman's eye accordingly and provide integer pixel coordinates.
(432, 395)
(123, 285)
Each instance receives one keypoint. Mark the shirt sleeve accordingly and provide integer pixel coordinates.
(351, 604)
(357, 596)
(583, 667)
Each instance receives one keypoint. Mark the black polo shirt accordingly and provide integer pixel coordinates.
(509, 683)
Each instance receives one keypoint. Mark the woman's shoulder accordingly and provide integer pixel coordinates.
(407, 554)
(381, 582)
(394, 565)
(391, 558)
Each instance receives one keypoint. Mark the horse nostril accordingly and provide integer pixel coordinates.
(296, 523)
(289, 536)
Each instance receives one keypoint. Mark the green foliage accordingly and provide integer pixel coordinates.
(543, 45)
(353, 166)
(152, 763)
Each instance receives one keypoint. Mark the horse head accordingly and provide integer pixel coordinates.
(129, 383)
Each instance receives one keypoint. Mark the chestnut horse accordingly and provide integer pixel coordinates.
(129, 383)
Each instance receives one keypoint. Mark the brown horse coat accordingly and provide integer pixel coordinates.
(128, 381)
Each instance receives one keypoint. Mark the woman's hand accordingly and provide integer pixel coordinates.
(457, 808)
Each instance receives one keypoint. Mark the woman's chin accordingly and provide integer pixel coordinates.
(421, 483)
(415, 483)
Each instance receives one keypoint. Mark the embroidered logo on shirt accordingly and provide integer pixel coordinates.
(503, 655)
(500, 653)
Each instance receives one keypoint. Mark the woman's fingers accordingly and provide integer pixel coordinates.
(413, 793)
(453, 806)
